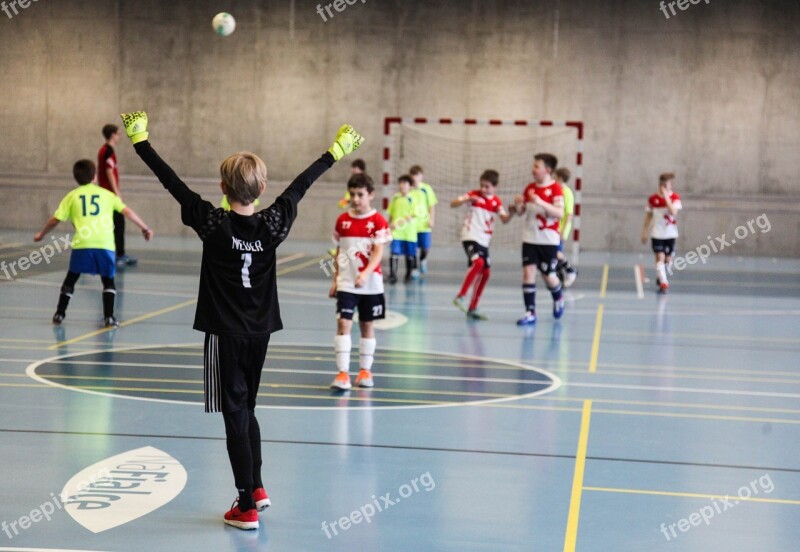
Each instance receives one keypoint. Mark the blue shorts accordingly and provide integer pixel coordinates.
(404, 248)
(93, 261)
(424, 240)
(561, 246)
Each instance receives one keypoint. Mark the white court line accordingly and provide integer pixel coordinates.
(15, 549)
(637, 275)
(555, 381)
(685, 390)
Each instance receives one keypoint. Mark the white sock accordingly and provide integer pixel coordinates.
(367, 352)
(662, 272)
(342, 345)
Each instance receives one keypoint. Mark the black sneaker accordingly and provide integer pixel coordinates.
(111, 322)
(58, 318)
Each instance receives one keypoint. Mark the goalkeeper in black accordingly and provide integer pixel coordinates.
(237, 304)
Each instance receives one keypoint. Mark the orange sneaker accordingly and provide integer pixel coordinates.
(364, 379)
(342, 382)
(241, 520)
(261, 499)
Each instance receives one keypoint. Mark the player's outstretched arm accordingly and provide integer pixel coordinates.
(194, 210)
(49, 225)
(648, 219)
(280, 215)
(131, 215)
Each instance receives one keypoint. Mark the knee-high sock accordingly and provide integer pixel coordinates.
(662, 272)
(411, 264)
(529, 296)
(476, 268)
(556, 292)
(109, 295)
(476, 295)
(254, 432)
(342, 344)
(366, 350)
(394, 263)
(67, 289)
(237, 433)
(423, 253)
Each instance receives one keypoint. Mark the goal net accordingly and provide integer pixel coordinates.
(454, 153)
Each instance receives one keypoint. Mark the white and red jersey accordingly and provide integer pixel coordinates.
(479, 224)
(665, 226)
(541, 228)
(356, 235)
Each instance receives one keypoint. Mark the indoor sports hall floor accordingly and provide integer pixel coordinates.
(623, 427)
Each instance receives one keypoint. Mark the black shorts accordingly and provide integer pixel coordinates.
(667, 247)
(370, 307)
(232, 371)
(545, 257)
(474, 249)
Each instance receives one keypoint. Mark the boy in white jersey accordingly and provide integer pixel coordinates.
(476, 233)
(544, 203)
(660, 212)
(360, 235)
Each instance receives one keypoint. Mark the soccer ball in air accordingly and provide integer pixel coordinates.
(223, 24)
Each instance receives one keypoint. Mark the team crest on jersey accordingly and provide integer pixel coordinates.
(370, 226)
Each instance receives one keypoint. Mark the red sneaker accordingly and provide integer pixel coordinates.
(664, 287)
(261, 499)
(241, 520)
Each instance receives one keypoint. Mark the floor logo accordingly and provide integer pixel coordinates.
(132, 485)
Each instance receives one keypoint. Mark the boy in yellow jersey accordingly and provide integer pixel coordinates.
(426, 216)
(565, 271)
(91, 209)
(402, 222)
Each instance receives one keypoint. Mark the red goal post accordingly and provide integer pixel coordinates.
(392, 125)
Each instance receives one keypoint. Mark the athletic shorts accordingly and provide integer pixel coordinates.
(424, 240)
(543, 256)
(667, 247)
(93, 261)
(232, 371)
(561, 246)
(404, 248)
(474, 249)
(370, 307)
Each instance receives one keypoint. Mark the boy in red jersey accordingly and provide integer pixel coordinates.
(476, 233)
(108, 178)
(662, 208)
(360, 234)
(544, 203)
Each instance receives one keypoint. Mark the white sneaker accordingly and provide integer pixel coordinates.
(342, 382)
(364, 379)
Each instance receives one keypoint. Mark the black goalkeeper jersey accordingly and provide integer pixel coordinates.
(238, 293)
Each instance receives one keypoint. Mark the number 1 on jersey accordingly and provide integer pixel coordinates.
(248, 260)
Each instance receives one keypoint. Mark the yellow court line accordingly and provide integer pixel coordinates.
(126, 323)
(604, 282)
(692, 495)
(292, 268)
(159, 312)
(598, 328)
(577, 480)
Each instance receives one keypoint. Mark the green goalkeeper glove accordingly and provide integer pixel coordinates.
(346, 142)
(135, 125)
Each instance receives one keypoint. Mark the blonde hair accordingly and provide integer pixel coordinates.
(245, 176)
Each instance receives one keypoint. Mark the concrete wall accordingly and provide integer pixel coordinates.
(712, 93)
